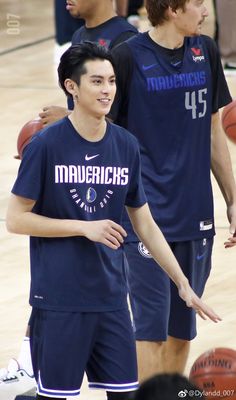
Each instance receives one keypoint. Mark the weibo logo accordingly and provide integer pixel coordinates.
(197, 54)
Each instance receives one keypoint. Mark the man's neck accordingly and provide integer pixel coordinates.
(97, 18)
(166, 37)
(89, 127)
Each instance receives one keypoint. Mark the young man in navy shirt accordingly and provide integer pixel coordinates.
(74, 180)
(103, 26)
(170, 93)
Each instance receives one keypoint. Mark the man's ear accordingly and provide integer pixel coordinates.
(71, 87)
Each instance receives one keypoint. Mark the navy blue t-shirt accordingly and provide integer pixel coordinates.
(72, 178)
(166, 98)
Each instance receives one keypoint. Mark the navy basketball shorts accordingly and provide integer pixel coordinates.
(64, 345)
(157, 309)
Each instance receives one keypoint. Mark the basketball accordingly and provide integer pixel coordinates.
(26, 132)
(228, 119)
(214, 372)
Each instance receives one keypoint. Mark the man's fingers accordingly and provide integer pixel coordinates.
(206, 312)
(110, 244)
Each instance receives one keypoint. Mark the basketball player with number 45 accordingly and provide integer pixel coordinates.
(75, 178)
(170, 93)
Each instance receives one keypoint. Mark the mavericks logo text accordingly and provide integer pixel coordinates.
(77, 175)
(91, 174)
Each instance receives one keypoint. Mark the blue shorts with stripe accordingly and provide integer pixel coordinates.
(64, 345)
(157, 309)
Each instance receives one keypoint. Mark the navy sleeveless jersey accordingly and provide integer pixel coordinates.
(108, 34)
(71, 178)
(166, 100)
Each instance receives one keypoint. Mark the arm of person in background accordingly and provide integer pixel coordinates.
(222, 169)
(153, 239)
(52, 114)
(21, 220)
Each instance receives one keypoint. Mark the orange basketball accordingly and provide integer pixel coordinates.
(26, 132)
(214, 372)
(228, 119)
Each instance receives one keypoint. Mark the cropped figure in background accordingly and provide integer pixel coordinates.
(169, 96)
(226, 14)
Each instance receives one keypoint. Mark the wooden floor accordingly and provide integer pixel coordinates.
(28, 82)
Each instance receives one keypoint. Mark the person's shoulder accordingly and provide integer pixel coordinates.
(53, 131)
(77, 35)
(128, 44)
(204, 40)
(209, 42)
(125, 137)
(123, 24)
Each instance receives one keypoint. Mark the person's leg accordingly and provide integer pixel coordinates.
(60, 345)
(23, 361)
(150, 358)
(150, 302)
(175, 354)
(112, 365)
(18, 377)
(226, 11)
(194, 258)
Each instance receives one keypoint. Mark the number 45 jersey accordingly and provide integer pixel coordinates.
(166, 99)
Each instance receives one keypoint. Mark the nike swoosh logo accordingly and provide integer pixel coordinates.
(147, 67)
(201, 256)
(87, 158)
(176, 64)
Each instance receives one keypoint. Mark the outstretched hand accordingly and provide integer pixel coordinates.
(192, 300)
(105, 231)
(231, 242)
(52, 114)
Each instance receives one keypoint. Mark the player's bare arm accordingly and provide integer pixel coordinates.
(21, 220)
(153, 239)
(222, 169)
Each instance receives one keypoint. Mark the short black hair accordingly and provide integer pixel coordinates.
(72, 62)
(168, 387)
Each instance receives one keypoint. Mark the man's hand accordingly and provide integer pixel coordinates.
(52, 114)
(231, 242)
(192, 300)
(105, 231)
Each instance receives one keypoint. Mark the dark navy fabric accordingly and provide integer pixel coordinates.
(100, 344)
(72, 178)
(166, 98)
(158, 310)
(108, 34)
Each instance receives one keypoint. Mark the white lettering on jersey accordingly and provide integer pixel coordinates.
(91, 174)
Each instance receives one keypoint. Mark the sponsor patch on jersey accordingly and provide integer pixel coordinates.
(206, 225)
(143, 250)
(104, 42)
(197, 54)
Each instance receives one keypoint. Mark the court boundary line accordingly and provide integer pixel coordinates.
(24, 46)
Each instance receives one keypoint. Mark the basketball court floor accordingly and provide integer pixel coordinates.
(28, 82)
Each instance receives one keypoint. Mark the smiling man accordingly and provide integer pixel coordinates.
(75, 178)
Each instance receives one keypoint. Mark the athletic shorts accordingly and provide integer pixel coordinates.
(157, 309)
(64, 345)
